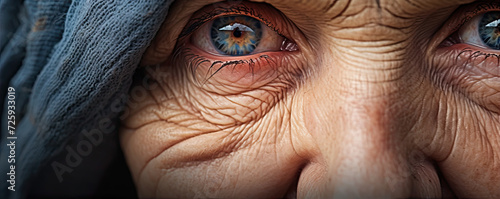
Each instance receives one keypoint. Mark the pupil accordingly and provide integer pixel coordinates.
(237, 33)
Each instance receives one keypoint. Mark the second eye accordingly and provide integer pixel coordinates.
(482, 31)
(237, 35)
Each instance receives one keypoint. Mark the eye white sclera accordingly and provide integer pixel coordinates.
(469, 33)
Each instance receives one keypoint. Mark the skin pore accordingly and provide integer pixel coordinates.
(377, 100)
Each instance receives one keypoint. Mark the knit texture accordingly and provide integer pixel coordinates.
(71, 63)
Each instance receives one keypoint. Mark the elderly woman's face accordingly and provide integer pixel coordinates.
(314, 99)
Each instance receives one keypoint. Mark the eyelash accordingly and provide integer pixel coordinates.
(475, 54)
(479, 9)
(194, 60)
(221, 11)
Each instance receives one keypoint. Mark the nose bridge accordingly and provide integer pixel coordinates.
(366, 160)
(352, 118)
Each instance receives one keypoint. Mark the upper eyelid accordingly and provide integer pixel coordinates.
(478, 8)
(213, 11)
(197, 22)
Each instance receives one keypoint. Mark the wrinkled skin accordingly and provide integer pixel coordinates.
(369, 106)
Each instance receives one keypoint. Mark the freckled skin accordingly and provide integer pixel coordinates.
(368, 108)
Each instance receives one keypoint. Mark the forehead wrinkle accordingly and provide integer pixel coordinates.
(425, 4)
(332, 8)
(317, 9)
(415, 7)
(397, 15)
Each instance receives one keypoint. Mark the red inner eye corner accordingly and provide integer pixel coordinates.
(288, 45)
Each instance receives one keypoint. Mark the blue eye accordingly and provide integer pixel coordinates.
(236, 35)
(489, 29)
(239, 35)
(482, 31)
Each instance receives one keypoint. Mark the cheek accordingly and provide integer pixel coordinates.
(184, 139)
(470, 165)
(181, 141)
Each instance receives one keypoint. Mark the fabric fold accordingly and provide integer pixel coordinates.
(73, 83)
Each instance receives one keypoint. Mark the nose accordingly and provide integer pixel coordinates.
(359, 119)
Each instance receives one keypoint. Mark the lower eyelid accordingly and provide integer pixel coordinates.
(462, 64)
(470, 58)
(205, 67)
(469, 71)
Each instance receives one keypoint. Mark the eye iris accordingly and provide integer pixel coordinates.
(236, 35)
(489, 29)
